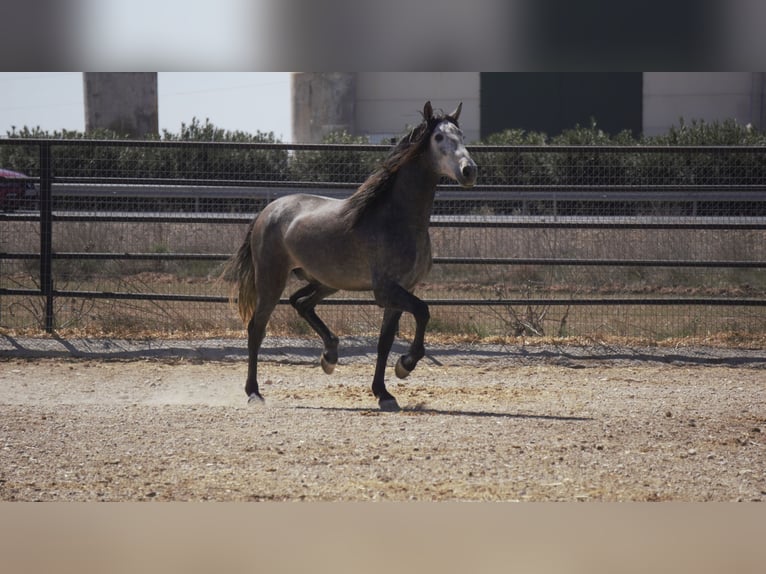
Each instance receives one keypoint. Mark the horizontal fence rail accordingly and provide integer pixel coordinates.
(523, 190)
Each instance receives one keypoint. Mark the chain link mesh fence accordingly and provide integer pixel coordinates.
(595, 241)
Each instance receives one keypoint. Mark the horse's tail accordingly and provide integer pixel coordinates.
(240, 271)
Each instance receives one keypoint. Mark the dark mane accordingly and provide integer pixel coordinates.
(382, 179)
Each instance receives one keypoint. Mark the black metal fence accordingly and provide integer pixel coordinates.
(654, 242)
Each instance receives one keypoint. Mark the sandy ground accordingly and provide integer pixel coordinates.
(86, 420)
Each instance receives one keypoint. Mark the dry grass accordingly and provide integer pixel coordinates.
(485, 282)
(132, 318)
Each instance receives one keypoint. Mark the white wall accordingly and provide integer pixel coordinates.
(709, 96)
(388, 102)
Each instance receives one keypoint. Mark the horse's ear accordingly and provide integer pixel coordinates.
(428, 111)
(456, 114)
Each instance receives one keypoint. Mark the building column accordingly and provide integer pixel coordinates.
(323, 102)
(125, 102)
(758, 101)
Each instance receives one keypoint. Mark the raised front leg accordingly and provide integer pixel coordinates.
(396, 297)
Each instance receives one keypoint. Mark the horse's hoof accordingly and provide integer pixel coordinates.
(400, 370)
(327, 366)
(389, 405)
(255, 399)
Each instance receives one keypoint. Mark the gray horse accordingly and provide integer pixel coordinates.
(375, 240)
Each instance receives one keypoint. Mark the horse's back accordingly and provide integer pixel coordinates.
(309, 234)
(284, 210)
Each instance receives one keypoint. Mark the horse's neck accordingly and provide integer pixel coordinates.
(414, 192)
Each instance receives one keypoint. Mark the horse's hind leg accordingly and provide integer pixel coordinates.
(304, 300)
(256, 330)
(268, 297)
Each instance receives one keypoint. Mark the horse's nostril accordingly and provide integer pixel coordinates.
(468, 171)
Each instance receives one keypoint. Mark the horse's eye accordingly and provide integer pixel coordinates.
(438, 137)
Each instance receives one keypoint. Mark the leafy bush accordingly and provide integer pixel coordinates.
(223, 163)
(584, 167)
(514, 167)
(183, 162)
(338, 166)
(537, 162)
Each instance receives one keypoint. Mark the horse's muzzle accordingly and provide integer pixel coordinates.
(468, 172)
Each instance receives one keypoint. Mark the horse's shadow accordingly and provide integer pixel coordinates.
(421, 410)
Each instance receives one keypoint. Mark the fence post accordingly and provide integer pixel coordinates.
(46, 233)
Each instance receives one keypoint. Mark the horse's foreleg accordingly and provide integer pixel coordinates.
(388, 330)
(399, 298)
(304, 300)
(407, 363)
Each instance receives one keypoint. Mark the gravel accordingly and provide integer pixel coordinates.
(87, 419)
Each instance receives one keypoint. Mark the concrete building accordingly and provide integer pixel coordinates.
(382, 104)
(379, 105)
(125, 102)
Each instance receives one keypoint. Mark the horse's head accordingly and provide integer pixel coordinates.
(447, 149)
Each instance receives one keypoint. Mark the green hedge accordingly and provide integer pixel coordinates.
(570, 168)
(154, 162)
(346, 166)
(584, 167)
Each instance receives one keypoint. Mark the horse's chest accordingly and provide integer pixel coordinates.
(411, 260)
(421, 268)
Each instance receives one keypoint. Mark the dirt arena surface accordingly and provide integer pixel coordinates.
(88, 420)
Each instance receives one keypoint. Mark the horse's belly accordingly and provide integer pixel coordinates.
(324, 250)
(341, 283)
(329, 255)
(338, 272)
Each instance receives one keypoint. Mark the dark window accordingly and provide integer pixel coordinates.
(552, 102)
